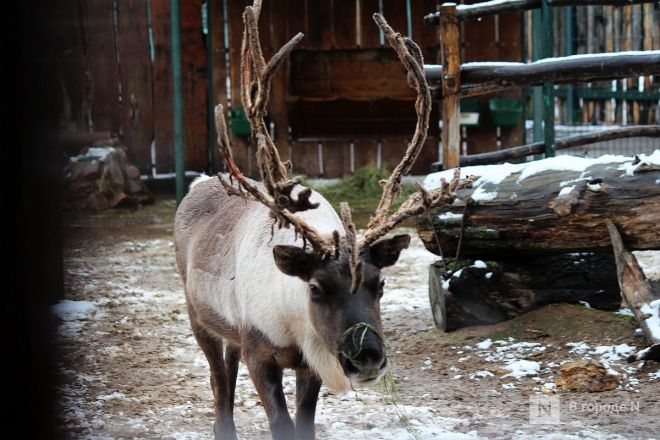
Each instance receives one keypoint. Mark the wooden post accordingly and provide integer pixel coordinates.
(548, 88)
(537, 54)
(450, 41)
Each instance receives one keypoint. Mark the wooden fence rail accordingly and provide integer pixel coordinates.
(462, 80)
(651, 131)
(484, 9)
(484, 77)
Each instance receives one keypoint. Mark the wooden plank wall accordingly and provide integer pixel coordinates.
(110, 83)
(339, 104)
(343, 94)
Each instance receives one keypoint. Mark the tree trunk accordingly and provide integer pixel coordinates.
(479, 294)
(552, 206)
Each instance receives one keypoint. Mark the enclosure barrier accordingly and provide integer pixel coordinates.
(535, 148)
(458, 80)
(484, 9)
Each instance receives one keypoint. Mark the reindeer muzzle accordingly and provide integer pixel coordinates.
(362, 354)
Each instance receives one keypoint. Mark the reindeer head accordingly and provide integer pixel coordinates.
(342, 275)
(347, 316)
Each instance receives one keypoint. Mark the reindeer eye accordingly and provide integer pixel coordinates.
(315, 291)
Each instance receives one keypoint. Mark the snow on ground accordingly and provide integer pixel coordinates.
(131, 368)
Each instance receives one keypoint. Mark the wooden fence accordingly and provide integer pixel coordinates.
(340, 103)
(116, 76)
(606, 28)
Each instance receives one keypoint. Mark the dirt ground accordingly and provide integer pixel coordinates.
(130, 367)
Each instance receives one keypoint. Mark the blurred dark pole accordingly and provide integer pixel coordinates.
(32, 201)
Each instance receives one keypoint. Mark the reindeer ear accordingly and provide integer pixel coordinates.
(386, 252)
(294, 261)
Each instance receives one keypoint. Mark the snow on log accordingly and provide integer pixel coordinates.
(550, 206)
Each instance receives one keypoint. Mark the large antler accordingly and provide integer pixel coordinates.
(382, 221)
(256, 77)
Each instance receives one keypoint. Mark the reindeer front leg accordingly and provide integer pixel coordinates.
(266, 375)
(308, 385)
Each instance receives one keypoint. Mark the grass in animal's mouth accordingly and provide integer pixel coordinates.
(359, 341)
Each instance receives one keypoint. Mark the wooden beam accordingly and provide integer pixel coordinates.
(484, 9)
(450, 40)
(652, 131)
(482, 78)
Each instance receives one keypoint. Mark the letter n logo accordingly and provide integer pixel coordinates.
(544, 410)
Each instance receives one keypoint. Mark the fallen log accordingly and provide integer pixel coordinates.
(637, 293)
(552, 206)
(481, 293)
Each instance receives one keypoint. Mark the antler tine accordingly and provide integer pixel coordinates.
(351, 245)
(411, 57)
(382, 222)
(256, 78)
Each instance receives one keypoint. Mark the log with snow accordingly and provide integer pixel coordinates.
(551, 206)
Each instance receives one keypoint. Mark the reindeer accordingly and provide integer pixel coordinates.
(274, 277)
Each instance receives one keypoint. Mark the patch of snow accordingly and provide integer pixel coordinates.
(595, 187)
(585, 304)
(585, 56)
(491, 63)
(479, 194)
(567, 163)
(99, 153)
(653, 321)
(481, 374)
(521, 368)
(449, 216)
(654, 376)
(566, 190)
(509, 386)
(649, 261)
(69, 310)
(494, 174)
(480, 264)
(644, 160)
(578, 347)
(488, 275)
(485, 344)
(115, 395)
(625, 311)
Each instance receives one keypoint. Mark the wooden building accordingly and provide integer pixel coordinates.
(340, 103)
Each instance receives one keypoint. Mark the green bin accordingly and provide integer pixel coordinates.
(239, 123)
(505, 112)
